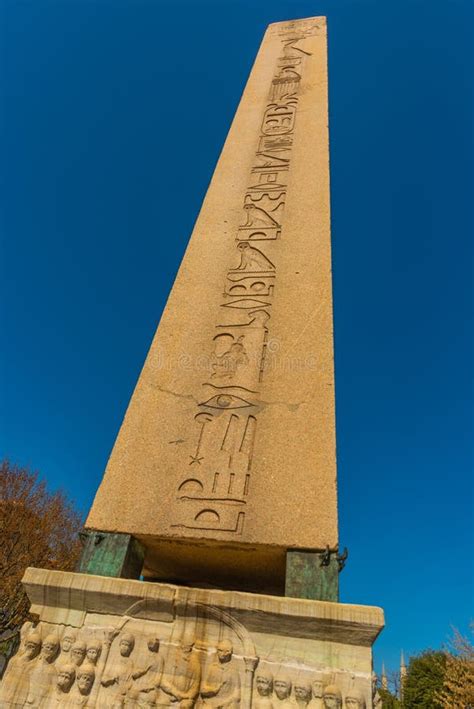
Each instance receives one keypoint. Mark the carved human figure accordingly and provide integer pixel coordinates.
(43, 675)
(98, 651)
(66, 674)
(84, 682)
(354, 699)
(85, 679)
(122, 673)
(332, 697)
(50, 649)
(93, 652)
(67, 641)
(182, 677)
(146, 688)
(221, 687)
(225, 366)
(264, 686)
(14, 688)
(302, 692)
(78, 652)
(79, 695)
(317, 687)
(282, 686)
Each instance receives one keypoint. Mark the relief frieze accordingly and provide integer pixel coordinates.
(202, 657)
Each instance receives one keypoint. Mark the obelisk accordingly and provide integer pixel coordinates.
(229, 440)
(221, 487)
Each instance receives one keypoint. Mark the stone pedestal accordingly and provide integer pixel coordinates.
(105, 642)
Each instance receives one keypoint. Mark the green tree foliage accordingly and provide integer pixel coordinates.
(424, 681)
(389, 701)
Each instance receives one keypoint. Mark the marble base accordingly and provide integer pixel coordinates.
(106, 642)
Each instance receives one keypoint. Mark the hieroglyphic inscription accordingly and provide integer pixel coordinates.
(213, 497)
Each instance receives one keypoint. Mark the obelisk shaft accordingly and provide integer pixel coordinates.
(229, 440)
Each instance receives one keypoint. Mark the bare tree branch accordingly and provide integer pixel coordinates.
(37, 528)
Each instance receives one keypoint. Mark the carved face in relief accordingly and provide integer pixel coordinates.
(332, 697)
(282, 687)
(355, 700)
(302, 692)
(65, 678)
(67, 641)
(32, 646)
(93, 652)
(153, 643)
(78, 653)
(50, 648)
(127, 643)
(317, 687)
(224, 651)
(85, 680)
(264, 683)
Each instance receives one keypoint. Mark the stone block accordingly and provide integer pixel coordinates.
(105, 642)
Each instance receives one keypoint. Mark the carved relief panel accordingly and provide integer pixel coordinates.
(200, 656)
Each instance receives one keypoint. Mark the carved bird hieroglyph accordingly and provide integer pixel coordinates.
(252, 259)
(256, 216)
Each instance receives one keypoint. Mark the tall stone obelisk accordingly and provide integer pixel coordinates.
(221, 486)
(229, 439)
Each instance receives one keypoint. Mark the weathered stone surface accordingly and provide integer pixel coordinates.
(103, 642)
(229, 439)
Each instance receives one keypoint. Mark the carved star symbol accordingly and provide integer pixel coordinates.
(196, 459)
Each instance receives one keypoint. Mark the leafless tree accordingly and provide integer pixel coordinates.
(37, 528)
(458, 685)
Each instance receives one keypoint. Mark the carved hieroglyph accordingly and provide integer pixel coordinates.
(104, 642)
(237, 395)
(214, 497)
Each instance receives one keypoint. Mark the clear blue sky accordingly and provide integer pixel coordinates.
(113, 113)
